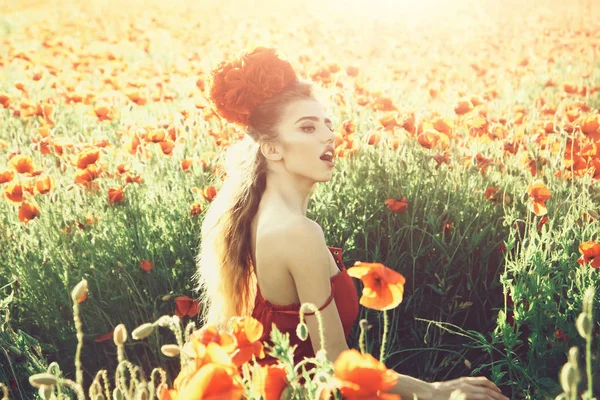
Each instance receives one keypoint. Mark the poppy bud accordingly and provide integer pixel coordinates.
(188, 350)
(593, 214)
(302, 331)
(120, 264)
(142, 393)
(568, 377)
(166, 297)
(118, 394)
(584, 325)
(574, 356)
(42, 379)
(142, 331)
(170, 350)
(120, 335)
(322, 377)
(163, 321)
(79, 293)
(588, 300)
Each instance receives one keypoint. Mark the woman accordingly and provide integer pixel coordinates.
(260, 255)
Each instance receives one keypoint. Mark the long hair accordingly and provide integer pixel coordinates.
(225, 276)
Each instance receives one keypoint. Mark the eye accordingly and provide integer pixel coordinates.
(308, 127)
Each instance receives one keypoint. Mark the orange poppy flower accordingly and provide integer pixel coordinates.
(6, 176)
(491, 193)
(43, 184)
(102, 113)
(463, 106)
(398, 206)
(271, 381)
(116, 194)
(186, 306)
(590, 251)
(167, 147)
(209, 193)
(538, 194)
(146, 265)
(186, 163)
(4, 100)
(28, 211)
(210, 334)
(213, 377)
(431, 138)
(87, 157)
(384, 287)
(195, 209)
(15, 192)
(247, 332)
(22, 164)
(361, 376)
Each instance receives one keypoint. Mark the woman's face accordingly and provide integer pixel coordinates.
(305, 133)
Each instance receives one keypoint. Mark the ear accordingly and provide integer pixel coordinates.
(271, 151)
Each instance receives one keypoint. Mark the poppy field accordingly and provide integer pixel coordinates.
(468, 160)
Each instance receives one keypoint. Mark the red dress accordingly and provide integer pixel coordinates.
(287, 317)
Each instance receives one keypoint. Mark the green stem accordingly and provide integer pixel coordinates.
(361, 340)
(384, 338)
(79, 328)
(588, 363)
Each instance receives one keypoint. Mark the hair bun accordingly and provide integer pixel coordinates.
(238, 86)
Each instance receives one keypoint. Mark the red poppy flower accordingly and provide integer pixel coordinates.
(398, 206)
(186, 306)
(590, 252)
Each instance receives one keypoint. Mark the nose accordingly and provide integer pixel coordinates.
(330, 136)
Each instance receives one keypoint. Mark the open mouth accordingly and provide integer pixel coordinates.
(328, 158)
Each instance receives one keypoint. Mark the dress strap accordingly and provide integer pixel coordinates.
(297, 312)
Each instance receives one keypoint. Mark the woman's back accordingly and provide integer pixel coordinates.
(277, 301)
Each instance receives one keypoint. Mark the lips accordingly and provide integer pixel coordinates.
(328, 154)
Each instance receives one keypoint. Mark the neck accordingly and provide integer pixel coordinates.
(290, 192)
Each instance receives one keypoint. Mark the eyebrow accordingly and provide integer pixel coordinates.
(316, 119)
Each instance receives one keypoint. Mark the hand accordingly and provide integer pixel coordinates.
(475, 388)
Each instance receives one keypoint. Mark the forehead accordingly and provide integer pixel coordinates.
(303, 108)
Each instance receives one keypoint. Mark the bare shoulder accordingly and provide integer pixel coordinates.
(297, 237)
(301, 247)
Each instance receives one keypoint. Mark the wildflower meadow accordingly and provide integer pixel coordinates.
(465, 185)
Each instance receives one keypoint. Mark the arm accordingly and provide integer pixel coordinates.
(407, 386)
(307, 259)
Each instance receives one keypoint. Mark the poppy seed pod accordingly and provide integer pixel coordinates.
(120, 335)
(142, 331)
